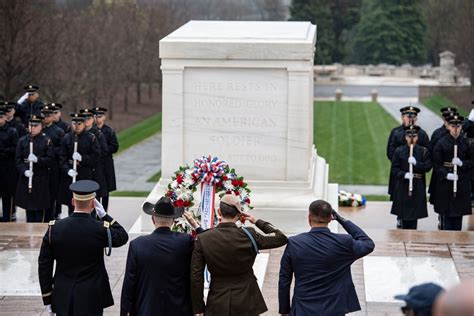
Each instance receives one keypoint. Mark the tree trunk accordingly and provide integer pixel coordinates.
(150, 90)
(125, 100)
(111, 106)
(139, 93)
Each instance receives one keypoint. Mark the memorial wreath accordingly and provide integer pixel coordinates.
(215, 177)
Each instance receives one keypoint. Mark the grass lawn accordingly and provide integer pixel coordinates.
(352, 136)
(138, 132)
(155, 177)
(435, 103)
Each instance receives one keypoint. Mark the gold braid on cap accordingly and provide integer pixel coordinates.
(82, 197)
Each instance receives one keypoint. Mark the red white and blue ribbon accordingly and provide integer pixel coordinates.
(209, 170)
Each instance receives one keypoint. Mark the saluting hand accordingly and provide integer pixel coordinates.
(190, 218)
(247, 217)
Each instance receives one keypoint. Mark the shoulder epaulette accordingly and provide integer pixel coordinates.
(106, 224)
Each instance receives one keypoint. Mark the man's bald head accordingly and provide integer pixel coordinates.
(456, 302)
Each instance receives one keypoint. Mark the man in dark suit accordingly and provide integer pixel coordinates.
(321, 262)
(229, 252)
(156, 278)
(80, 285)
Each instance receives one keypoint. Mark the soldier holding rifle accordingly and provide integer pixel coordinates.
(410, 163)
(79, 156)
(453, 162)
(34, 157)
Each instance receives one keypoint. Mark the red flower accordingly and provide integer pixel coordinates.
(186, 203)
(236, 193)
(247, 200)
(169, 193)
(179, 178)
(235, 183)
(179, 203)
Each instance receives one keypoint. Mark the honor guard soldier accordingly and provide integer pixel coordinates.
(439, 133)
(453, 163)
(12, 121)
(34, 158)
(79, 157)
(79, 285)
(56, 135)
(57, 117)
(29, 104)
(99, 174)
(410, 163)
(8, 143)
(112, 148)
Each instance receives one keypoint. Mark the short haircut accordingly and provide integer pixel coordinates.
(163, 221)
(321, 211)
(82, 204)
(228, 211)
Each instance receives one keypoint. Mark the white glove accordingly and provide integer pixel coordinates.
(471, 116)
(32, 158)
(408, 176)
(77, 156)
(99, 209)
(28, 173)
(23, 98)
(452, 177)
(48, 308)
(457, 161)
(412, 160)
(72, 173)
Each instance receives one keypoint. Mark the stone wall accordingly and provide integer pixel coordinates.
(461, 95)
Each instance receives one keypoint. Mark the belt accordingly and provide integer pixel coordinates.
(417, 176)
(448, 164)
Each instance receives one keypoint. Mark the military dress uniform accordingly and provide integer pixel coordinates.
(26, 109)
(80, 284)
(88, 147)
(56, 135)
(229, 255)
(14, 122)
(397, 139)
(98, 172)
(438, 133)
(8, 143)
(60, 123)
(452, 207)
(410, 207)
(108, 160)
(37, 201)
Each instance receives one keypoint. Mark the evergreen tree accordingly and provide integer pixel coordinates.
(334, 18)
(390, 31)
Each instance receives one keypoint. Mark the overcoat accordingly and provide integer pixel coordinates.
(445, 202)
(38, 198)
(405, 206)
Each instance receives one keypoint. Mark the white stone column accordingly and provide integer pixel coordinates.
(172, 121)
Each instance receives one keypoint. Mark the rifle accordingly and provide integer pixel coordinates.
(455, 171)
(74, 162)
(30, 179)
(410, 168)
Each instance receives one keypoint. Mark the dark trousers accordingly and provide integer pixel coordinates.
(8, 205)
(409, 224)
(451, 223)
(105, 202)
(35, 216)
(57, 209)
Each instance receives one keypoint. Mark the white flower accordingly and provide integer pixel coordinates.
(228, 185)
(174, 184)
(188, 181)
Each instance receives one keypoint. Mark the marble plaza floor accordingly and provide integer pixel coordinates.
(401, 258)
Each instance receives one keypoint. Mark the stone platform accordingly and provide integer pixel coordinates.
(400, 260)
